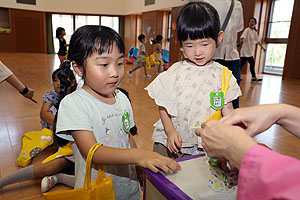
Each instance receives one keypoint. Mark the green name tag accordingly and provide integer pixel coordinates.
(126, 122)
(216, 100)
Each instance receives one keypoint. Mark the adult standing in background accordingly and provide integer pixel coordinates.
(227, 53)
(12, 79)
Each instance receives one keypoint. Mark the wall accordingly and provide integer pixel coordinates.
(28, 30)
(291, 64)
(151, 26)
(108, 7)
(130, 32)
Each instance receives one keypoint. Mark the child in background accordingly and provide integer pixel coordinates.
(183, 92)
(99, 113)
(248, 39)
(159, 52)
(62, 52)
(48, 111)
(141, 59)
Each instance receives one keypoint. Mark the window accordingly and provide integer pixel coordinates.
(65, 21)
(81, 20)
(71, 22)
(278, 32)
(112, 22)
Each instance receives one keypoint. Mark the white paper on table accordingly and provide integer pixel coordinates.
(197, 181)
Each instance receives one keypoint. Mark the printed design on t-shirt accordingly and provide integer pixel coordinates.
(107, 132)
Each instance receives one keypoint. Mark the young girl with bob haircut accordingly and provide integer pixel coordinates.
(99, 113)
(184, 93)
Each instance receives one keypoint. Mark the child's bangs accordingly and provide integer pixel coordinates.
(104, 40)
(194, 33)
(103, 46)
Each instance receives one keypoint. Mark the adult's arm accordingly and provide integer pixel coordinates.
(257, 119)
(12, 79)
(16, 83)
(265, 174)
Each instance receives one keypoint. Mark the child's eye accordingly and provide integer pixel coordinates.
(103, 65)
(120, 64)
(205, 44)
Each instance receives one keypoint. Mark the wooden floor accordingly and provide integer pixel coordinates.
(19, 115)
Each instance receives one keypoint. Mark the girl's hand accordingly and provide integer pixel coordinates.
(174, 142)
(156, 162)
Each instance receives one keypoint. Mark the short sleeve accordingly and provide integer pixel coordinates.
(50, 97)
(4, 72)
(71, 116)
(161, 89)
(244, 34)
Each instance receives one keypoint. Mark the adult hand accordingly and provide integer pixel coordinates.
(30, 94)
(222, 141)
(254, 119)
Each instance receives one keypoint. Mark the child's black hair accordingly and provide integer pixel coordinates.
(54, 73)
(66, 77)
(141, 37)
(157, 39)
(253, 19)
(59, 30)
(89, 39)
(197, 20)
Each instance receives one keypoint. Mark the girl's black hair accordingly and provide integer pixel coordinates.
(197, 20)
(59, 30)
(253, 19)
(66, 77)
(89, 39)
(157, 39)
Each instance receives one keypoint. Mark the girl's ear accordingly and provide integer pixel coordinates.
(78, 70)
(220, 37)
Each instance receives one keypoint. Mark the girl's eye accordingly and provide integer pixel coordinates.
(189, 46)
(206, 44)
(120, 64)
(103, 65)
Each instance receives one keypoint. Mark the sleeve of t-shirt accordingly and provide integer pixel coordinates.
(48, 98)
(4, 72)
(244, 34)
(240, 23)
(71, 116)
(265, 174)
(161, 89)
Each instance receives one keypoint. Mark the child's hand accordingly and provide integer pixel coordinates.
(155, 161)
(174, 142)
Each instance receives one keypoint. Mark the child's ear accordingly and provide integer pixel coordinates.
(220, 37)
(78, 70)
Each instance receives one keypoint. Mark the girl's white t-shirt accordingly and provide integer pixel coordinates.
(184, 90)
(81, 111)
(250, 38)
